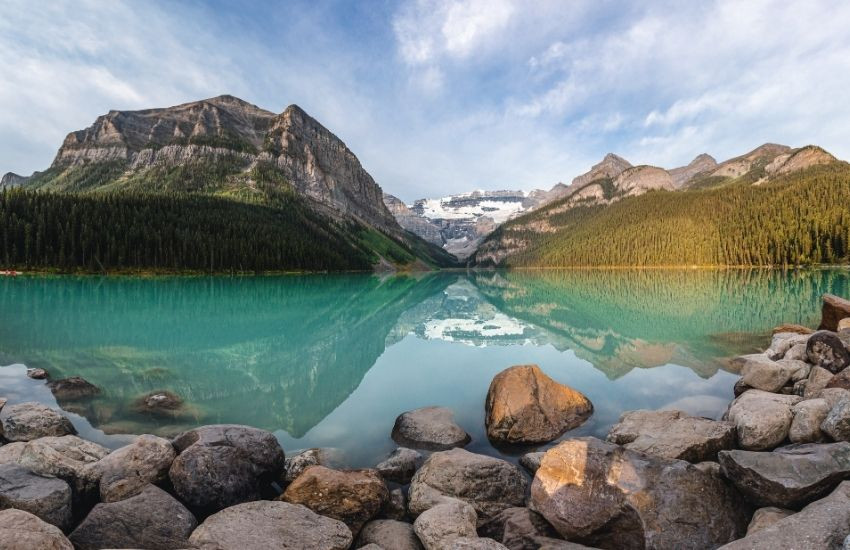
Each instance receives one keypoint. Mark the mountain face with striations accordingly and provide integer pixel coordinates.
(10, 179)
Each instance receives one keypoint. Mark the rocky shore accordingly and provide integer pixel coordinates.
(772, 473)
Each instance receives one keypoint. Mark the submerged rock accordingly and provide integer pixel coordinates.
(389, 535)
(525, 406)
(765, 517)
(400, 466)
(73, 388)
(38, 374)
(834, 309)
(126, 471)
(826, 350)
(429, 428)
(48, 498)
(159, 403)
(30, 420)
(762, 419)
(20, 530)
(445, 522)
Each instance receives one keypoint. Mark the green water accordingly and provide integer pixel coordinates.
(331, 360)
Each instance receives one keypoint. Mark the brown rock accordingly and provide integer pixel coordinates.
(826, 350)
(765, 517)
(789, 327)
(819, 377)
(430, 428)
(159, 403)
(518, 528)
(73, 388)
(834, 309)
(843, 324)
(840, 380)
(525, 406)
(21, 530)
(126, 471)
(38, 374)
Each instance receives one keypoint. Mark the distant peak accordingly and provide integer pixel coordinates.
(611, 157)
(703, 157)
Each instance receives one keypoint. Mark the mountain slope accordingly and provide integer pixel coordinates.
(10, 179)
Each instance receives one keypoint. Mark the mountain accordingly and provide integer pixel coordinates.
(10, 179)
(772, 206)
(231, 149)
(609, 167)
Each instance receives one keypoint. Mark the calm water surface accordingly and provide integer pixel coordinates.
(331, 360)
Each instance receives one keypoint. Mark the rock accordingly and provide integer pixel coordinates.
(311, 457)
(221, 465)
(808, 416)
(822, 524)
(837, 422)
(270, 525)
(740, 387)
(834, 309)
(788, 327)
(400, 465)
(799, 388)
(73, 388)
(601, 494)
(761, 419)
(150, 519)
(826, 350)
(709, 467)
(125, 471)
(843, 324)
(351, 496)
(672, 434)
(799, 369)
(762, 373)
(371, 546)
(67, 457)
(430, 428)
(30, 420)
(11, 452)
(395, 507)
(791, 476)
(782, 342)
(20, 530)
(488, 484)
(162, 403)
(531, 461)
(518, 528)
(439, 525)
(48, 498)
(797, 353)
(524, 406)
(840, 380)
(819, 377)
(389, 535)
(559, 544)
(37, 374)
(833, 395)
(765, 517)
(475, 543)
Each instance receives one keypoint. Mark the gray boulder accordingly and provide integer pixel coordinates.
(826, 350)
(125, 471)
(781, 342)
(430, 428)
(797, 352)
(837, 422)
(788, 477)
(400, 465)
(389, 535)
(222, 465)
(808, 416)
(150, 519)
(760, 372)
(270, 526)
(765, 517)
(488, 484)
(818, 378)
(531, 461)
(673, 434)
(20, 530)
(799, 369)
(67, 457)
(48, 498)
(30, 420)
(762, 419)
(518, 528)
(439, 525)
(11, 452)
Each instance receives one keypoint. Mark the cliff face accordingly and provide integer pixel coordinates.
(610, 166)
(10, 179)
(702, 164)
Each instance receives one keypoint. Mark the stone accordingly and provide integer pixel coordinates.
(605, 495)
(125, 471)
(400, 465)
(531, 461)
(837, 422)
(30, 420)
(833, 395)
(765, 517)
(429, 428)
(11, 452)
(762, 419)
(826, 350)
(73, 388)
(389, 535)
(525, 406)
(518, 528)
(799, 368)
(834, 309)
(546, 543)
(797, 352)
(781, 342)
(488, 484)
(475, 543)
(808, 416)
(740, 387)
(150, 519)
(395, 507)
(799, 388)
(843, 324)
(350, 496)
(270, 525)
(297, 463)
(673, 434)
(760, 372)
(788, 477)
(840, 380)
(439, 525)
(161, 403)
(819, 377)
(822, 524)
(38, 374)
(20, 530)
(709, 467)
(789, 327)
(48, 498)
(222, 465)
(67, 457)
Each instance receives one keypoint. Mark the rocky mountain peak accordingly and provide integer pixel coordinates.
(610, 166)
(11, 179)
(701, 164)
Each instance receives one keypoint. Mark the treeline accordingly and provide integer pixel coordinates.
(797, 219)
(164, 232)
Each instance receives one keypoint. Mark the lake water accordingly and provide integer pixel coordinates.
(331, 360)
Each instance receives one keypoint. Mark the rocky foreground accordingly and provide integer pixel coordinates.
(771, 474)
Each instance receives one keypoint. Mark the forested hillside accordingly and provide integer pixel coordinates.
(800, 218)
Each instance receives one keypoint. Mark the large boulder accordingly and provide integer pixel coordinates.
(518, 528)
(49, 498)
(822, 524)
(400, 465)
(788, 477)
(125, 471)
(826, 350)
(150, 519)
(429, 428)
(222, 465)
(488, 484)
(762, 419)
(673, 434)
(818, 379)
(837, 421)
(762, 373)
(20, 530)
(524, 406)
(271, 526)
(11, 452)
(351, 496)
(834, 309)
(30, 420)
(67, 457)
(389, 535)
(765, 517)
(441, 524)
(602, 494)
(808, 416)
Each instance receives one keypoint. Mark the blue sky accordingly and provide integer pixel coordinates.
(443, 96)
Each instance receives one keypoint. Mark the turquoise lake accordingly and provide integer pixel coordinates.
(331, 360)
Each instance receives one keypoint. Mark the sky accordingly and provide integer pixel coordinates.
(444, 96)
